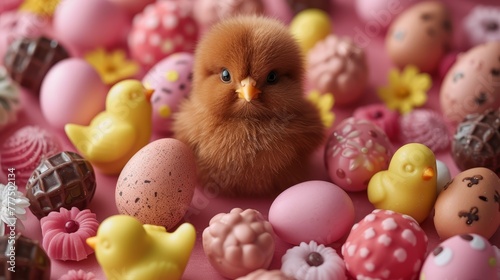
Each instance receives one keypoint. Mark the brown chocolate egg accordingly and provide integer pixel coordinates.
(476, 142)
(28, 60)
(469, 203)
(63, 180)
(23, 258)
(420, 36)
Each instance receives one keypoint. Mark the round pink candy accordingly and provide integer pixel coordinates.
(24, 150)
(427, 127)
(381, 116)
(385, 245)
(163, 28)
(292, 211)
(171, 80)
(467, 256)
(378, 14)
(72, 92)
(355, 151)
(8, 5)
(87, 25)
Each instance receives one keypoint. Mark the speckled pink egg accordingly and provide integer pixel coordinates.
(330, 206)
(338, 66)
(385, 245)
(355, 151)
(157, 184)
(238, 242)
(89, 24)
(163, 28)
(466, 256)
(171, 79)
(72, 92)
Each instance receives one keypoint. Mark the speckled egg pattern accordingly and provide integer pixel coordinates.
(163, 28)
(356, 150)
(385, 245)
(157, 184)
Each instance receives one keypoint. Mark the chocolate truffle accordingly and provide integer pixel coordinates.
(477, 141)
(299, 5)
(62, 180)
(25, 258)
(28, 60)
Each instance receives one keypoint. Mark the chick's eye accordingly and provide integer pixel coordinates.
(408, 168)
(272, 78)
(225, 76)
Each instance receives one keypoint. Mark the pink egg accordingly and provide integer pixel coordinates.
(72, 92)
(163, 28)
(157, 184)
(467, 256)
(355, 151)
(89, 24)
(171, 80)
(385, 245)
(330, 206)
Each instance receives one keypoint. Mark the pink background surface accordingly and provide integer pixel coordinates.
(205, 204)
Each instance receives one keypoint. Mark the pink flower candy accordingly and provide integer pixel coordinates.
(78, 275)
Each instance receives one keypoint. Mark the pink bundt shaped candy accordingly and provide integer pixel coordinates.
(262, 274)
(426, 127)
(338, 66)
(65, 233)
(238, 242)
(24, 150)
(381, 116)
(163, 28)
(385, 245)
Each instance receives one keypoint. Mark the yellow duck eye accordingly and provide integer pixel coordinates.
(409, 168)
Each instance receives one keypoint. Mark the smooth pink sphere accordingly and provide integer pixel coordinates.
(312, 210)
(72, 92)
(90, 24)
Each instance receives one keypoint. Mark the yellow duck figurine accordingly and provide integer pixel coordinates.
(128, 250)
(409, 185)
(117, 133)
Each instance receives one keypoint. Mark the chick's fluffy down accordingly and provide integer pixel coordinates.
(249, 148)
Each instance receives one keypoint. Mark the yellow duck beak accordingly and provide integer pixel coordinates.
(247, 90)
(428, 173)
(91, 241)
(149, 92)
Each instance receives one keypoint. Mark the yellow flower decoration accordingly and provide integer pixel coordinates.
(324, 103)
(405, 90)
(40, 7)
(112, 67)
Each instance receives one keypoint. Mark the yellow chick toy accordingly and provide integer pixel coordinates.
(117, 133)
(409, 185)
(128, 250)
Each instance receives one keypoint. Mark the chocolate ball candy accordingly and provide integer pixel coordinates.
(62, 180)
(28, 60)
(299, 5)
(25, 257)
(477, 141)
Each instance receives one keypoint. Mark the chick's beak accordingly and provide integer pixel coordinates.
(428, 173)
(247, 90)
(149, 92)
(91, 241)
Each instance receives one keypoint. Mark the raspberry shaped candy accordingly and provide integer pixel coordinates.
(238, 242)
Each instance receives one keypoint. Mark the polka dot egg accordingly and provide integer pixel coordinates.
(163, 28)
(385, 245)
(157, 184)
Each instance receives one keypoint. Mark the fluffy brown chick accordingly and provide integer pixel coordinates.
(247, 120)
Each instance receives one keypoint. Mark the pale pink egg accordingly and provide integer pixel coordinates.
(171, 79)
(157, 184)
(89, 24)
(355, 151)
(385, 245)
(72, 92)
(163, 28)
(319, 199)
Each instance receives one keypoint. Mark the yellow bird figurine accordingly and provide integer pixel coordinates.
(409, 185)
(117, 133)
(128, 250)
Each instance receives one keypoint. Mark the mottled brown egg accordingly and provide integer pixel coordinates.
(157, 184)
(469, 203)
(420, 36)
